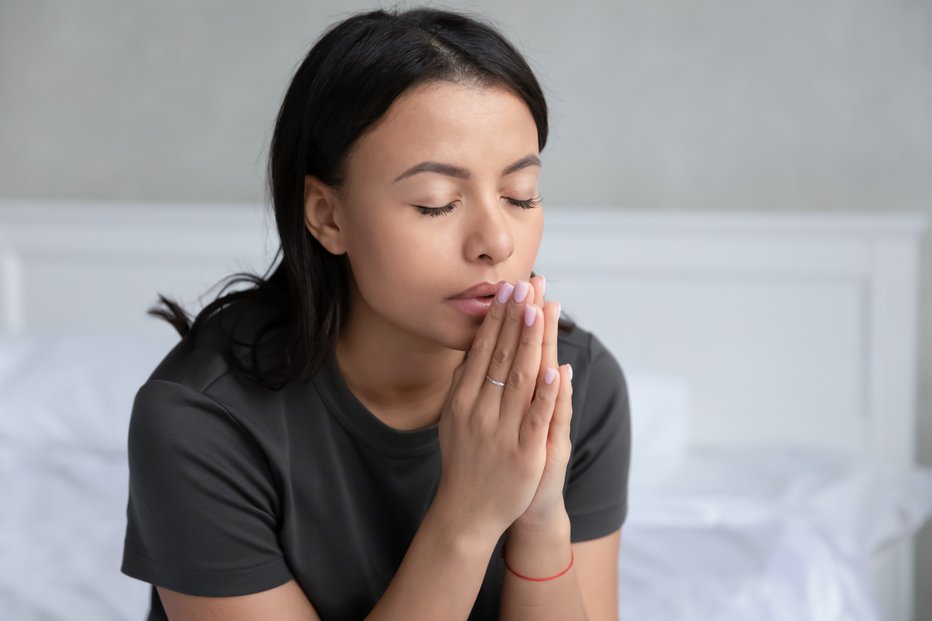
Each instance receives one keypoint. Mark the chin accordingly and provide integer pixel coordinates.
(457, 341)
(460, 339)
(457, 333)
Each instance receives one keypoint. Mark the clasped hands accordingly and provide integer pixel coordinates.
(505, 448)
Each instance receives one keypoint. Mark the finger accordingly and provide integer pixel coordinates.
(483, 345)
(519, 389)
(540, 287)
(549, 344)
(563, 409)
(536, 423)
(504, 352)
(457, 376)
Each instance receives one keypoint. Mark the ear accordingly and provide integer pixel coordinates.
(322, 214)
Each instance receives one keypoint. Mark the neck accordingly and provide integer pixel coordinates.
(402, 379)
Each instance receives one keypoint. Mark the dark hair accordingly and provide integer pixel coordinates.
(348, 80)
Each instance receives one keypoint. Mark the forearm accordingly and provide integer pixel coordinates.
(441, 573)
(540, 553)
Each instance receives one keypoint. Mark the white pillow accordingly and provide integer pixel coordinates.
(874, 504)
(659, 426)
(862, 504)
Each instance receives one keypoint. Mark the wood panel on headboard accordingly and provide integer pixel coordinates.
(99, 266)
(790, 329)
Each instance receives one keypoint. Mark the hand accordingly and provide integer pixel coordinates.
(493, 438)
(547, 506)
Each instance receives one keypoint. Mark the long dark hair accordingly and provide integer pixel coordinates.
(348, 80)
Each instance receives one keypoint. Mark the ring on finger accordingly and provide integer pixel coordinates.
(494, 381)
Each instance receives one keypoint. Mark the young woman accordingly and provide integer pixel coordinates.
(394, 424)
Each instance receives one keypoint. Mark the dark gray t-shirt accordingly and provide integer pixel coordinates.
(236, 489)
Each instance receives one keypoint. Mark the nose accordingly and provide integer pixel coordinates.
(489, 237)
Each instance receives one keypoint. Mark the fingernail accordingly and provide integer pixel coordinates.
(521, 291)
(549, 375)
(530, 314)
(569, 370)
(559, 309)
(543, 285)
(505, 292)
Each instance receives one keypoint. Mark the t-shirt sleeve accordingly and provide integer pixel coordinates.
(597, 481)
(201, 516)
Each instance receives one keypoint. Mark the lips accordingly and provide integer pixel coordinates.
(477, 300)
(481, 290)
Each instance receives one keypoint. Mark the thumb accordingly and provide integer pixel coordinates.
(458, 371)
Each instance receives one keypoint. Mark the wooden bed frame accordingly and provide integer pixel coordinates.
(790, 329)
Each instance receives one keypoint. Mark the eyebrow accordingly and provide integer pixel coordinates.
(462, 173)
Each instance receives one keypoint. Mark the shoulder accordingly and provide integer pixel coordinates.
(590, 358)
(194, 414)
(195, 393)
(202, 359)
(600, 390)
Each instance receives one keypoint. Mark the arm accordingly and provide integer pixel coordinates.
(589, 590)
(541, 553)
(597, 567)
(439, 578)
(284, 603)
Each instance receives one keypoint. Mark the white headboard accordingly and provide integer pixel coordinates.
(789, 329)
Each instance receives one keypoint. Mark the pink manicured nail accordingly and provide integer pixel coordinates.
(530, 314)
(569, 370)
(549, 375)
(505, 292)
(521, 290)
(543, 285)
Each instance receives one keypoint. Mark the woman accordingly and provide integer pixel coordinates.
(319, 445)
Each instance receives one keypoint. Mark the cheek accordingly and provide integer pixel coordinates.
(387, 245)
(528, 238)
(390, 260)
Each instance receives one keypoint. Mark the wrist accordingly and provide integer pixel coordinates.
(556, 522)
(554, 530)
(460, 531)
(539, 550)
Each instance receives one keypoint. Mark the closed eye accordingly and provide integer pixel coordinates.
(434, 211)
(529, 203)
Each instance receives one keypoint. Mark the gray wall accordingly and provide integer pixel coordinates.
(751, 105)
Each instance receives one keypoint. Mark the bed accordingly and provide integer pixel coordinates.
(770, 362)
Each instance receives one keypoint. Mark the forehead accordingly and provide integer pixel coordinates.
(451, 122)
(449, 102)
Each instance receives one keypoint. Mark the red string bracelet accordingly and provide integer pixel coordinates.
(536, 579)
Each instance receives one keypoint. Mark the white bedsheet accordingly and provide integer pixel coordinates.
(765, 535)
(769, 569)
(61, 535)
